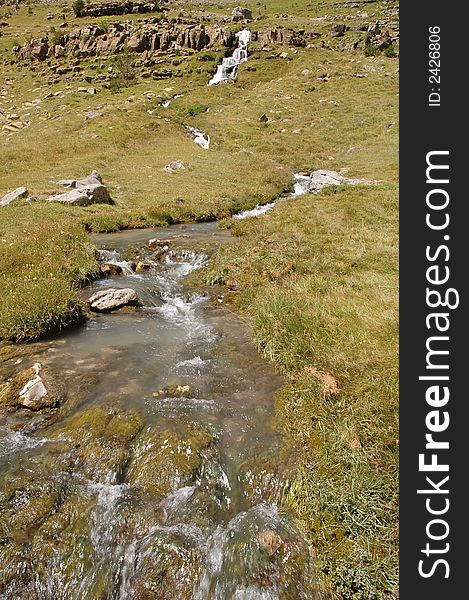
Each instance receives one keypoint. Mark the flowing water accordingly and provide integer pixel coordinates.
(228, 70)
(159, 477)
(300, 187)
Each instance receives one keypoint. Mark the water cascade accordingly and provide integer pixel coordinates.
(229, 66)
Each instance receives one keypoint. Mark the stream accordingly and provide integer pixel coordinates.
(160, 476)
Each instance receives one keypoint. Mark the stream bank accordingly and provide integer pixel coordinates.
(160, 472)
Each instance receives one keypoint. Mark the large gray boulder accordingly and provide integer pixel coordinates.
(113, 299)
(84, 196)
(92, 179)
(20, 192)
(89, 190)
(241, 14)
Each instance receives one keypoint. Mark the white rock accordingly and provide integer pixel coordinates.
(112, 299)
(175, 165)
(34, 391)
(20, 192)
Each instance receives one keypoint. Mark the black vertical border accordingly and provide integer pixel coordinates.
(423, 129)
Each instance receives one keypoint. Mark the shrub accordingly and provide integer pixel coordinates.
(196, 109)
(78, 7)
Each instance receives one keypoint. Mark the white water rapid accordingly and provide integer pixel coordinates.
(229, 66)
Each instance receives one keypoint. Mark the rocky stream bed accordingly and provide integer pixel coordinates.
(154, 470)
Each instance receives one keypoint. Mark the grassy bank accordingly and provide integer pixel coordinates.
(40, 272)
(318, 279)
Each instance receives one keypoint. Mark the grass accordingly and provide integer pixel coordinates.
(39, 276)
(317, 276)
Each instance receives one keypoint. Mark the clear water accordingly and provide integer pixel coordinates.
(106, 536)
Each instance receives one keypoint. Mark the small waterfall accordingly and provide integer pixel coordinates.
(200, 138)
(301, 185)
(111, 257)
(229, 66)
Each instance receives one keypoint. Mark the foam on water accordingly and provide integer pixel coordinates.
(300, 187)
(228, 70)
(200, 138)
(15, 441)
(111, 257)
(260, 209)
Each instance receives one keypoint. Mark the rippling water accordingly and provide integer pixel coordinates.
(160, 476)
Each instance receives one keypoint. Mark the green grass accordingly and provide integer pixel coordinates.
(319, 280)
(317, 275)
(40, 272)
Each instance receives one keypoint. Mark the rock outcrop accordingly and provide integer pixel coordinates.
(241, 14)
(104, 9)
(83, 192)
(20, 192)
(146, 35)
(113, 299)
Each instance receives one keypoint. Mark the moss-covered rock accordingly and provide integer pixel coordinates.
(24, 505)
(170, 568)
(164, 460)
(31, 389)
(66, 552)
(102, 438)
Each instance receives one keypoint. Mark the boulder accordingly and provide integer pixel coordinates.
(142, 266)
(92, 179)
(155, 243)
(175, 165)
(97, 193)
(110, 270)
(20, 192)
(241, 14)
(113, 299)
(86, 191)
(337, 30)
(69, 183)
(73, 197)
(34, 393)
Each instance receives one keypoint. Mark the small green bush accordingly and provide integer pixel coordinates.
(78, 7)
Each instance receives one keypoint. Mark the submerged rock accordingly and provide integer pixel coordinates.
(269, 541)
(102, 437)
(110, 270)
(113, 299)
(20, 192)
(171, 565)
(165, 460)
